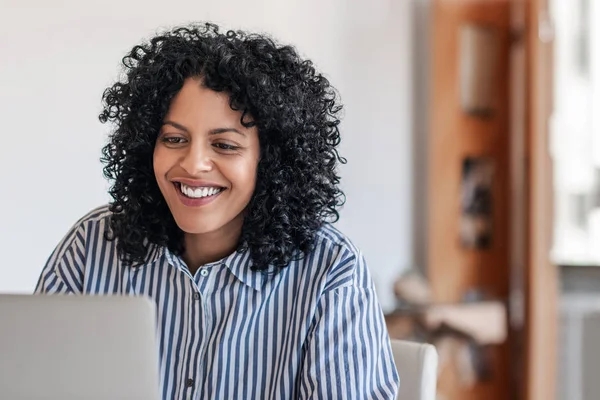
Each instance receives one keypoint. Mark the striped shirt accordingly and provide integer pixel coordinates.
(312, 330)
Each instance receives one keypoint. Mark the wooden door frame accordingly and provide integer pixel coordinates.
(541, 276)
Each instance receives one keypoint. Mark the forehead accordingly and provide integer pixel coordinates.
(197, 106)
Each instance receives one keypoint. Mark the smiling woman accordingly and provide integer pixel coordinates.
(223, 167)
(267, 87)
(203, 149)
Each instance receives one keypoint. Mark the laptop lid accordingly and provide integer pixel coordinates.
(78, 347)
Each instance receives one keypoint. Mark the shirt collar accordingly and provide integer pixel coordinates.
(239, 263)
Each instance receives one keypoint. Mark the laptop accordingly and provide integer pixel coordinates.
(78, 347)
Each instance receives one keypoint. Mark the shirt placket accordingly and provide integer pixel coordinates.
(201, 327)
(196, 334)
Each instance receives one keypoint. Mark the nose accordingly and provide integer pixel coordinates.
(197, 159)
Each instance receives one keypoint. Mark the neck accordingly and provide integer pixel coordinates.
(204, 248)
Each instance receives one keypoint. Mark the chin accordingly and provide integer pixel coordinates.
(202, 221)
(194, 228)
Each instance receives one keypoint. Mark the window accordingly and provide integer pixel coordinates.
(575, 132)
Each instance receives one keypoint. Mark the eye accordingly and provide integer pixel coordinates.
(173, 139)
(225, 146)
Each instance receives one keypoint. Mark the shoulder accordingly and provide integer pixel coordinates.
(342, 262)
(64, 270)
(89, 227)
(96, 221)
(334, 241)
(99, 215)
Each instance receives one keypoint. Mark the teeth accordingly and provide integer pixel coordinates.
(199, 192)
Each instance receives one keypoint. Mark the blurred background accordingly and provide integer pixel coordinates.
(472, 133)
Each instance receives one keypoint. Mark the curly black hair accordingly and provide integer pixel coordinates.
(296, 112)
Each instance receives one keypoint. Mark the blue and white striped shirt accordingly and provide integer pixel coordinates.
(312, 330)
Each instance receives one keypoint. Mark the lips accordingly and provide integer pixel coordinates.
(187, 194)
(199, 191)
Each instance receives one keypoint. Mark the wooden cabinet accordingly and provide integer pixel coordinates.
(456, 135)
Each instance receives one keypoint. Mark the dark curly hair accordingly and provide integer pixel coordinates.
(296, 112)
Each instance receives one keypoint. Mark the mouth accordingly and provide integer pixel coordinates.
(197, 192)
(197, 195)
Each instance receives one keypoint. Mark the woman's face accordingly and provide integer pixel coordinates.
(205, 161)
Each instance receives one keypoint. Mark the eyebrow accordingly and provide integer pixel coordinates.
(215, 131)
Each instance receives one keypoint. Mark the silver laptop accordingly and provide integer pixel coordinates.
(78, 347)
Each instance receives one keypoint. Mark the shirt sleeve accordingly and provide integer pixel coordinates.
(63, 272)
(348, 352)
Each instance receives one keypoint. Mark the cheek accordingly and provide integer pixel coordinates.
(243, 176)
(157, 169)
(159, 163)
(160, 166)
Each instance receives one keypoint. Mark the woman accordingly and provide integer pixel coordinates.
(223, 168)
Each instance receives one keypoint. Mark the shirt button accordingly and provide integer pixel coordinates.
(189, 383)
(204, 272)
(196, 296)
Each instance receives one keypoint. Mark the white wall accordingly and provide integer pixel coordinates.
(57, 56)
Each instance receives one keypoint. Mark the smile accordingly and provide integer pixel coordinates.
(198, 192)
(194, 196)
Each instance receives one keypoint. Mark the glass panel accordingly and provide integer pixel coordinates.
(575, 132)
